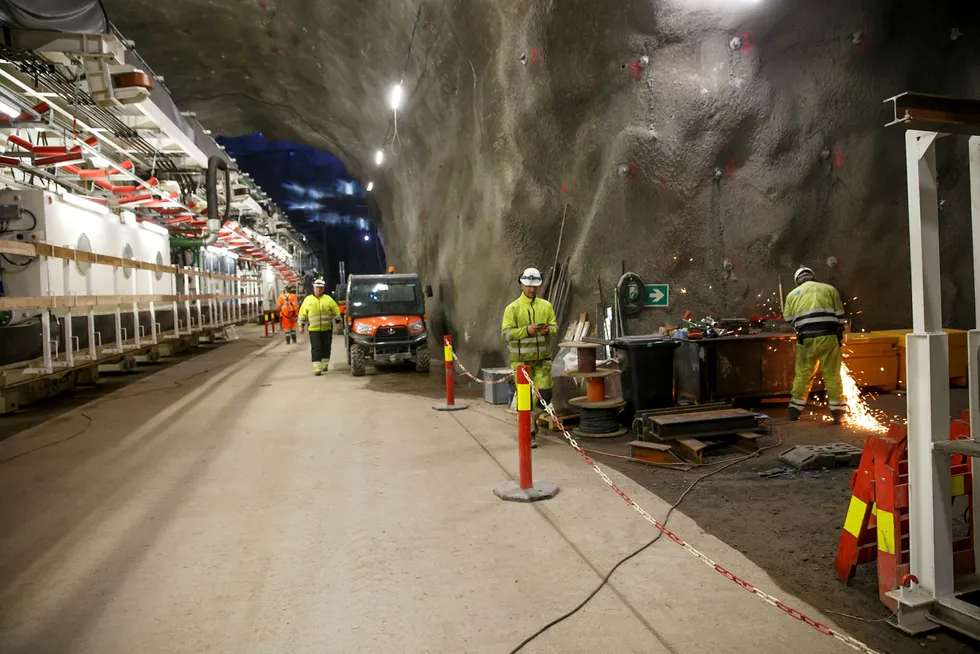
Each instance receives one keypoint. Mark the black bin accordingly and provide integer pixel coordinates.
(648, 372)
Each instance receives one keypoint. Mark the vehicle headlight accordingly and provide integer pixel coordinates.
(362, 328)
(416, 327)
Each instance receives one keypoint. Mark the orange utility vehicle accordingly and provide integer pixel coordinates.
(385, 321)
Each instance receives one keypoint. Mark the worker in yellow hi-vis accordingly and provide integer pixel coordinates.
(318, 311)
(528, 326)
(816, 312)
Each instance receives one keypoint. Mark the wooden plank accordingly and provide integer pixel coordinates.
(110, 261)
(30, 302)
(18, 248)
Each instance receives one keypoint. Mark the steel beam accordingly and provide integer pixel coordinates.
(935, 113)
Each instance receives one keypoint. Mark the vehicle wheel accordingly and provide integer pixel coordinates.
(356, 361)
(422, 359)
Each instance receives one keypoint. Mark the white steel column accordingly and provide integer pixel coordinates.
(187, 302)
(173, 291)
(47, 365)
(930, 502)
(197, 302)
(153, 307)
(93, 354)
(973, 336)
(136, 307)
(69, 343)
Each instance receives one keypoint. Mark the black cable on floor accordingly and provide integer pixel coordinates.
(605, 579)
(176, 384)
(41, 447)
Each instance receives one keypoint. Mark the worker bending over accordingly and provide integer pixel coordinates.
(816, 312)
(288, 307)
(528, 325)
(318, 311)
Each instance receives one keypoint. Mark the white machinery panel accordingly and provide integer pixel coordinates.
(42, 216)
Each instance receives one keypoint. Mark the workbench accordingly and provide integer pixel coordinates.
(742, 366)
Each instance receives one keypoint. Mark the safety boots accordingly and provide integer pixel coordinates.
(794, 414)
(838, 415)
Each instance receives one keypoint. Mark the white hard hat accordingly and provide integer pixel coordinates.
(801, 271)
(531, 277)
(319, 282)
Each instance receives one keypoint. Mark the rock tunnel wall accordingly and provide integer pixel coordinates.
(712, 168)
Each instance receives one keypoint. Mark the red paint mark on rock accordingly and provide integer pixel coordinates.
(263, 5)
(748, 43)
(862, 39)
(839, 159)
(730, 168)
(635, 71)
(187, 32)
(537, 55)
(662, 181)
(633, 172)
(564, 190)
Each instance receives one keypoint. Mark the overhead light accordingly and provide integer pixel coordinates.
(100, 162)
(396, 96)
(379, 157)
(9, 109)
(367, 237)
(348, 188)
(370, 187)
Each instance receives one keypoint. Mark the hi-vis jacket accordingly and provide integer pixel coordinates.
(287, 305)
(318, 313)
(518, 315)
(814, 309)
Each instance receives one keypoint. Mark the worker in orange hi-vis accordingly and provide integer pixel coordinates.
(288, 308)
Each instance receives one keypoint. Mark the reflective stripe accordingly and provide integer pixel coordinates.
(800, 322)
(507, 333)
(447, 352)
(797, 403)
(837, 405)
(855, 516)
(814, 311)
(523, 397)
(886, 532)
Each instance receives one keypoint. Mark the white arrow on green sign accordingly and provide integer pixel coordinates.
(657, 295)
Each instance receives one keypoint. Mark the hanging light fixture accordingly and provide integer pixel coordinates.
(370, 187)
(396, 96)
(379, 157)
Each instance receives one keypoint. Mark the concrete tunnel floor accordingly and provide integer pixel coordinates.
(241, 504)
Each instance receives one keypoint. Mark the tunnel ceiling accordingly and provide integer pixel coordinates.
(684, 155)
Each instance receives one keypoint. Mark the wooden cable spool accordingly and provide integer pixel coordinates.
(598, 413)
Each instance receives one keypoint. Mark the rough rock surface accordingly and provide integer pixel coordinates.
(491, 148)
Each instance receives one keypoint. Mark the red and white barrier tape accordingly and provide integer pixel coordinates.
(766, 597)
(466, 373)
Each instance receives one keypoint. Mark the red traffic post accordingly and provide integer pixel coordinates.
(524, 490)
(450, 404)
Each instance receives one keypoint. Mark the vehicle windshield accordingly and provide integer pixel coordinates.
(380, 298)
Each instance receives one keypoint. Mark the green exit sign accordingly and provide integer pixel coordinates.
(657, 295)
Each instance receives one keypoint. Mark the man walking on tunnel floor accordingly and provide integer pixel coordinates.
(288, 307)
(816, 312)
(318, 311)
(528, 325)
